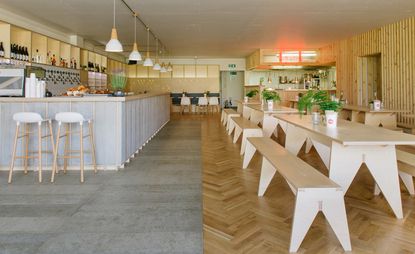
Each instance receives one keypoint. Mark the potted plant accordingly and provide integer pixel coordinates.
(250, 94)
(330, 108)
(118, 83)
(261, 80)
(310, 99)
(270, 96)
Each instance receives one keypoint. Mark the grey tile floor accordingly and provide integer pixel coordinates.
(154, 205)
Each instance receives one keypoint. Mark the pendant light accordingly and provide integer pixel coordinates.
(169, 67)
(148, 62)
(163, 68)
(114, 45)
(157, 66)
(135, 55)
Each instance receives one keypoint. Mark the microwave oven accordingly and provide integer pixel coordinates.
(12, 82)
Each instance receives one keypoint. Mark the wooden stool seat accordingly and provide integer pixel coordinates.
(27, 119)
(69, 118)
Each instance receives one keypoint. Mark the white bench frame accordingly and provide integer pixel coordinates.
(246, 133)
(308, 202)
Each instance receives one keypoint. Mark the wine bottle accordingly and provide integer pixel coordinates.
(1, 49)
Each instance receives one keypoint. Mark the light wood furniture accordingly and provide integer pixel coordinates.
(381, 118)
(213, 104)
(345, 148)
(244, 127)
(227, 113)
(314, 192)
(69, 118)
(202, 105)
(185, 103)
(264, 115)
(27, 119)
(406, 166)
(242, 107)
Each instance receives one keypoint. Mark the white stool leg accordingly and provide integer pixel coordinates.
(26, 151)
(40, 150)
(81, 135)
(14, 153)
(66, 148)
(91, 138)
(408, 181)
(55, 157)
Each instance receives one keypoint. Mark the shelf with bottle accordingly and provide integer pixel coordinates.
(20, 44)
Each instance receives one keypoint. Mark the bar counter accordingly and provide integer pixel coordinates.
(122, 125)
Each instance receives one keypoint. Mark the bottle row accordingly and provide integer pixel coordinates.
(18, 52)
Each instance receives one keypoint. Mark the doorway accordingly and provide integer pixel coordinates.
(369, 79)
(232, 87)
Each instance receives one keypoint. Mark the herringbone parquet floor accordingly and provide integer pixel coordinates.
(236, 220)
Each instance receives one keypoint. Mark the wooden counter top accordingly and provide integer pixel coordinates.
(79, 99)
(369, 110)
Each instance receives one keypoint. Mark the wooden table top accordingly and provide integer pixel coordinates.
(369, 110)
(277, 109)
(350, 133)
(248, 103)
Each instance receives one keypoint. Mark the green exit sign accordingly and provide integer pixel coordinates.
(232, 66)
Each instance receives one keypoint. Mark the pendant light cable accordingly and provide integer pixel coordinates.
(148, 42)
(114, 15)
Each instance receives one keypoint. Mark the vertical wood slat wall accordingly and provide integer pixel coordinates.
(396, 44)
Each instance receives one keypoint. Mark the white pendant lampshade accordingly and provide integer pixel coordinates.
(163, 68)
(156, 67)
(114, 45)
(148, 62)
(135, 55)
(169, 67)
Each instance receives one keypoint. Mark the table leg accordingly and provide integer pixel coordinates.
(346, 160)
(269, 124)
(294, 139)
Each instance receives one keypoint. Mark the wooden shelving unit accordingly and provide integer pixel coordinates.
(22, 37)
(39, 47)
(46, 47)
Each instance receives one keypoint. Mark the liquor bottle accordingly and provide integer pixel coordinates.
(11, 51)
(37, 57)
(26, 54)
(53, 60)
(74, 63)
(1, 49)
(48, 59)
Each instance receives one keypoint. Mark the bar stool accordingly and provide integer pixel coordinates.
(69, 118)
(202, 102)
(185, 102)
(214, 104)
(28, 118)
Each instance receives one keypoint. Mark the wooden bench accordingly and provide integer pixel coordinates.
(227, 113)
(244, 127)
(314, 191)
(406, 166)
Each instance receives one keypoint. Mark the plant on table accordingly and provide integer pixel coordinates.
(270, 95)
(118, 83)
(309, 99)
(251, 93)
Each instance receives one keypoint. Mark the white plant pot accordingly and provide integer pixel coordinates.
(270, 104)
(246, 99)
(376, 105)
(331, 119)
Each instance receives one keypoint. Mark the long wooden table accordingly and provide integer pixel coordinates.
(362, 114)
(262, 114)
(345, 148)
(243, 107)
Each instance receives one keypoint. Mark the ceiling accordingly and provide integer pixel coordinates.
(218, 28)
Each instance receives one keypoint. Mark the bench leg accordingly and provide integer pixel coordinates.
(269, 124)
(231, 126)
(249, 153)
(308, 203)
(222, 117)
(408, 182)
(322, 150)
(237, 134)
(335, 213)
(247, 134)
(267, 173)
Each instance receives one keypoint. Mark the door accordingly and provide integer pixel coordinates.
(232, 86)
(369, 79)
